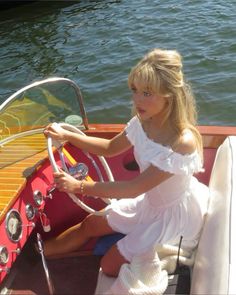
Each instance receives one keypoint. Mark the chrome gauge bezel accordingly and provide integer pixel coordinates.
(38, 198)
(13, 225)
(4, 255)
(30, 212)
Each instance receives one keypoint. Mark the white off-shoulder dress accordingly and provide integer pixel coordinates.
(170, 210)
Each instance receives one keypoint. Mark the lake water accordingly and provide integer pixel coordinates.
(95, 43)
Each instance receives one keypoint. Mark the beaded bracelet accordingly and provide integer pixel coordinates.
(82, 187)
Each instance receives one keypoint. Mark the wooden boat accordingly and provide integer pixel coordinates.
(31, 210)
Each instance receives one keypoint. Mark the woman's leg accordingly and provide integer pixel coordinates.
(112, 262)
(74, 237)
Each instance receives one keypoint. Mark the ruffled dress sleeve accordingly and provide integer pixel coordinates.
(168, 160)
(132, 130)
(148, 152)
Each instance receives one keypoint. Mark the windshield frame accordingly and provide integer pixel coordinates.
(9, 101)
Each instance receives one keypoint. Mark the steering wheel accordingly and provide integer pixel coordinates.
(52, 142)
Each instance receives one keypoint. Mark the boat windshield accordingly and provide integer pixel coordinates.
(35, 106)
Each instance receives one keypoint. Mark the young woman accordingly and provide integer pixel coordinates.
(165, 201)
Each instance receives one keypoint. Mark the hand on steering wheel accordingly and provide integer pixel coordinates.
(52, 142)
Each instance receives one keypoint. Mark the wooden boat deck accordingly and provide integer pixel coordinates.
(15, 159)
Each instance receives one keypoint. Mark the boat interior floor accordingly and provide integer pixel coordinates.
(74, 274)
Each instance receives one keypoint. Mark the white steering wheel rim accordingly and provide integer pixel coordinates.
(57, 144)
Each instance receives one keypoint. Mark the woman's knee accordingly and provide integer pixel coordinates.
(95, 225)
(88, 223)
(109, 268)
(112, 261)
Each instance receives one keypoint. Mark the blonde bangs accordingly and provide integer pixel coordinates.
(144, 77)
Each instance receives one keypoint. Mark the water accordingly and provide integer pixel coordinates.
(95, 43)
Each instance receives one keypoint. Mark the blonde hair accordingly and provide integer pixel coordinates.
(160, 72)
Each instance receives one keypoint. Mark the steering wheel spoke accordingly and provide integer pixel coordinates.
(78, 169)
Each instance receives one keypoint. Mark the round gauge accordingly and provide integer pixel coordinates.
(13, 225)
(38, 198)
(29, 212)
(4, 255)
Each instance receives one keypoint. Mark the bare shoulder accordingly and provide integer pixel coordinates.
(186, 143)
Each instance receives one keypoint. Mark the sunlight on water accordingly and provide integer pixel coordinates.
(95, 43)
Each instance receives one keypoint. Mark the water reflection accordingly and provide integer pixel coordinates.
(95, 43)
(31, 45)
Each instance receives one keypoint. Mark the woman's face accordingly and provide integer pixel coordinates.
(148, 105)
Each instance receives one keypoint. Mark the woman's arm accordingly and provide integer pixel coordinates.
(95, 145)
(145, 181)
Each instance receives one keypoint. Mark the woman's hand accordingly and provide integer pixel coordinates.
(55, 131)
(65, 182)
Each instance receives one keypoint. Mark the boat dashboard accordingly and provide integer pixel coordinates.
(29, 201)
